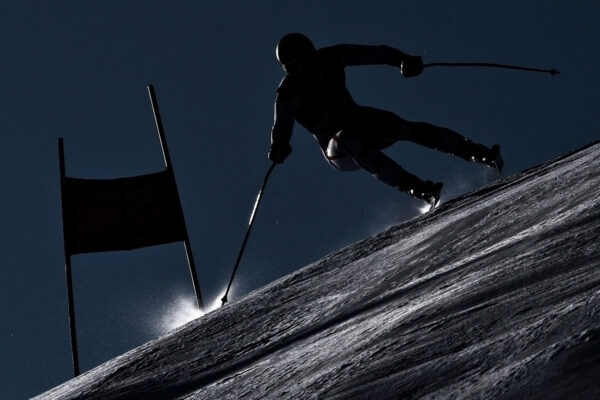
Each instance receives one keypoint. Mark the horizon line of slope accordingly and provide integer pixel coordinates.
(354, 289)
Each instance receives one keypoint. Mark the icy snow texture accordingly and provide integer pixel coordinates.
(495, 295)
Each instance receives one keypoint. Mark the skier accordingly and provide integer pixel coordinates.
(351, 136)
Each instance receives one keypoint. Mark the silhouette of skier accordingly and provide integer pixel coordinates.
(351, 136)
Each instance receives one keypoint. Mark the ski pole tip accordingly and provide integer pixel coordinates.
(553, 72)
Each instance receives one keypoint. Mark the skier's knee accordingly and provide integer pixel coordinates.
(341, 150)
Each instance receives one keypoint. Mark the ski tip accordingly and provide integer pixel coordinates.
(429, 207)
(436, 199)
(431, 197)
(431, 204)
(435, 204)
(497, 160)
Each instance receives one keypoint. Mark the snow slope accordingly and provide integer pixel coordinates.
(495, 295)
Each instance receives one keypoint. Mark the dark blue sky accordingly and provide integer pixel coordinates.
(79, 70)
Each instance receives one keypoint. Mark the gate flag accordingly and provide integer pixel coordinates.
(122, 214)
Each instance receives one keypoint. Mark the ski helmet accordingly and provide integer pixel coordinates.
(294, 52)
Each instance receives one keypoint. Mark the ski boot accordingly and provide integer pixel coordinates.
(492, 158)
(429, 192)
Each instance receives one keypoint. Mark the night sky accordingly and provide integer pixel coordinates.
(79, 70)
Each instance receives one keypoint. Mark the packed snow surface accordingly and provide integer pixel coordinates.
(495, 295)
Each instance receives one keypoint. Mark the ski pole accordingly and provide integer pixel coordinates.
(248, 230)
(491, 65)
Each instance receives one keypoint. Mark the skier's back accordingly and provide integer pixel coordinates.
(351, 136)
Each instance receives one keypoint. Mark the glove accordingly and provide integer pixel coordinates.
(411, 66)
(279, 152)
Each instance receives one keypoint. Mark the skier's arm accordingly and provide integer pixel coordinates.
(283, 126)
(353, 54)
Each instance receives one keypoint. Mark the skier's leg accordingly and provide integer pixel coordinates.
(381, 166)
(389, 128)
(448, 141)
(445, 140)
(387, 170)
